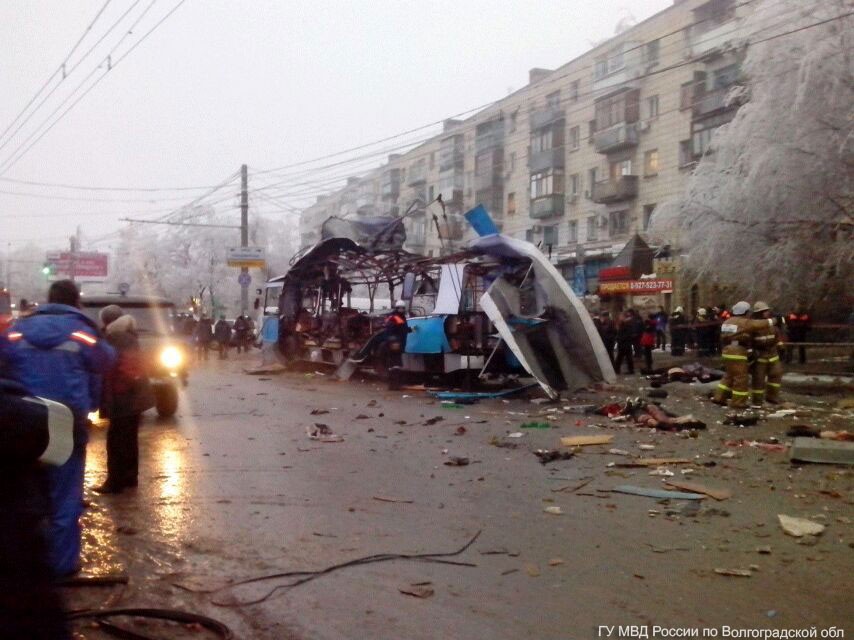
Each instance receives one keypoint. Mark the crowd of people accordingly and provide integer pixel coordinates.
(203, 335)
(632, 335)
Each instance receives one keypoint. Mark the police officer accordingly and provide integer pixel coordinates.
(766, 371)
(736, 342)
(33, 433)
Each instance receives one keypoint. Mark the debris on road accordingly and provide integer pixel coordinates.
(322, 433)
(397, 500)
(554, 562)
(653, 462)
(431, 421)
(532, 570)
(417, 591)
(550, 455)
(694, 487)
(555, 511)
(660, 494)
(456, 461)
(583, 441)
(740, 573)
(822, 451)
(535, 425)
(799, 527)
(319, 412)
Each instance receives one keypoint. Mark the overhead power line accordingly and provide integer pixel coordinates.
(59, 69)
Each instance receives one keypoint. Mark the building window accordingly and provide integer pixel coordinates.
(616, 61)
(650, 163)
(621, 168)
(617, 109)
(513, 117)
(618, 223)
(574, 180)
(592, 229)
(701, 141)
(541, 141)
(686, 155)
(647, 215)
(432, 159)
(574, 88)
(550, 236)
(546, 183)
(512, 162)
(650, 52)
(725, 77)
(591, 130)
(529, 235)
(511, 204)
(553, 100)
(431, 193)
(572, 231)
(574, 138)
(591, 180)
(686, 95)
(652, 107)
(601, 69)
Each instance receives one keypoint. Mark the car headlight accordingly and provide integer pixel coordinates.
(171, 357)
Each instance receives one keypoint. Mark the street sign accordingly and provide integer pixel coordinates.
(244, 279)
(249, 257)
(87, 266)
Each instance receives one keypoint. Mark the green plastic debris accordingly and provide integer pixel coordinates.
(536, 425)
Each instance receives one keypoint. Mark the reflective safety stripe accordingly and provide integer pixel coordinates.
(740, 393)
(763, 360)
(724, 387)
(733, 357)
(775, 384)
(774, 359)
(85, 338)
(757, 392)
(14, 336)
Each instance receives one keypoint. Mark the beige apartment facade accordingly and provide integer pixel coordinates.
(578, 159)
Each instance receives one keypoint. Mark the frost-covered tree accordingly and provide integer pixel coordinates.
(184, 262)
(770, 210)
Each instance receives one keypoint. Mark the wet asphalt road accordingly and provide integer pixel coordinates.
(233, 487)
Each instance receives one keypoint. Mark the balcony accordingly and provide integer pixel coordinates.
(489, 140)
(711, 102)
(622, 136)
(545, 117)
(547, 159)
(615, 190)
(547, 206)
(707, 38)
(417, 174)
(390, 190)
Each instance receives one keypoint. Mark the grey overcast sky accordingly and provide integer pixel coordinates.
(225, 82)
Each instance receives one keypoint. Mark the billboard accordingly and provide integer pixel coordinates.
(88, 266)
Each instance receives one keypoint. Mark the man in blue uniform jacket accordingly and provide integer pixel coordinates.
(57, 353)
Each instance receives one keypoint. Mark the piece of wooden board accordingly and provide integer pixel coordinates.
(583, 441)
(653, 462)
(696, 487)
(660, 494)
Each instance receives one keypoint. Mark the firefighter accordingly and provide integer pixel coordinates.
(396, 331)
(736, 342)
(767, 371)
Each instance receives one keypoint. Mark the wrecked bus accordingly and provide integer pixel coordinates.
(495, 308)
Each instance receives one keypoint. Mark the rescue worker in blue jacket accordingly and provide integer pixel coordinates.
(57, 353)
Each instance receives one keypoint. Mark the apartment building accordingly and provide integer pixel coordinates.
(578, 159)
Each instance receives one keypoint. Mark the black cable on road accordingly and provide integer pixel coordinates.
(100, 616)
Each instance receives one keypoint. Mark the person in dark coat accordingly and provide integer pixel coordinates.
(242, 333)
(608, 332)
(127, 392)
(625, 343)
(203, 337)
(637, 331)
(679, 330)
(30, 605)
(58, 353)
(222, 334)
(661, 321)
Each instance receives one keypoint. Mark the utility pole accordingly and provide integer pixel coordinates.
(244, 236)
